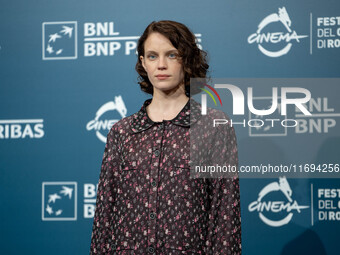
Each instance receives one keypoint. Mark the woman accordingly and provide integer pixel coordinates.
(147, 202)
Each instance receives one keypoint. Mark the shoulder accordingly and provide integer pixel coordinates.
(215, 118)
(132, 124)
(215, 114)
(124, 125)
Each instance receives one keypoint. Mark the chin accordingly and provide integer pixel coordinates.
(165, 87)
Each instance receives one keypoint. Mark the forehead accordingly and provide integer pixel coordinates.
(157, 42)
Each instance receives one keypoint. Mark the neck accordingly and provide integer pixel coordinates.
(165, 107)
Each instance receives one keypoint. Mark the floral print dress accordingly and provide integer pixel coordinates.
(147, 202)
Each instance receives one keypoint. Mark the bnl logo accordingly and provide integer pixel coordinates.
(59, 40)
(59, 201)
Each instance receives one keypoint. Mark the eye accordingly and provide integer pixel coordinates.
(151, 57)
(172, 55)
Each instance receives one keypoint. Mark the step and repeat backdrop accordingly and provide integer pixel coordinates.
(67, 75)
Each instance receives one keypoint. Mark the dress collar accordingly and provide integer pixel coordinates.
(190, 113)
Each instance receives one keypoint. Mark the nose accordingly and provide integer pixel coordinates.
(162, 64)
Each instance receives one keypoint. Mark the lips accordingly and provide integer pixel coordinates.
(162, 76)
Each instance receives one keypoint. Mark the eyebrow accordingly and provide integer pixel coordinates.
(169, 51)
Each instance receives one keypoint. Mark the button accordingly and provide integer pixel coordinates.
(113, 246)
(151, 249)
(156, 152)
(152, 215)
(154, 183)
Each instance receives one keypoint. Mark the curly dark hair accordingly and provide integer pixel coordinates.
(194, 60)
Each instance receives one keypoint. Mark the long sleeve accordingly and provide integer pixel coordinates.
(224, 229)
(101, 239)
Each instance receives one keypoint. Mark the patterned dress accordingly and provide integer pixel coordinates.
(147, 200)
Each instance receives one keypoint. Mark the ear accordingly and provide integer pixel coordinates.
(142, 60)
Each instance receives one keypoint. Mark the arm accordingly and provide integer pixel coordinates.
(224, 229)
(102, 223)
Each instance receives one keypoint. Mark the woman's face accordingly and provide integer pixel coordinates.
(162, 63)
